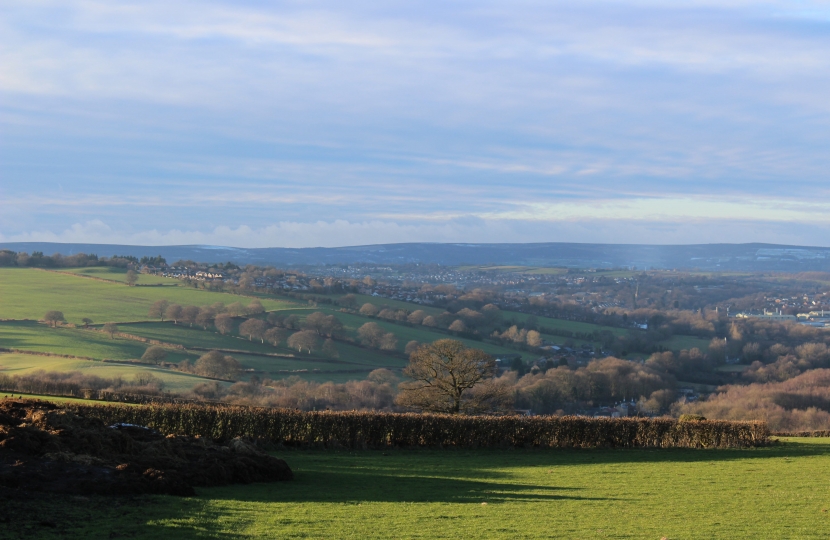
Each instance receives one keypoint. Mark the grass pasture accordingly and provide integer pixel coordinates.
(112, 273)
(32, 336)
(405, 333)
(21, 364)
(774, 492)
(29, 293)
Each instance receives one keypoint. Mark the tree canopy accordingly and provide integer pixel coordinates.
(450, 378)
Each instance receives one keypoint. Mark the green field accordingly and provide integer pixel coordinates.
(406, 333)
(676, 343)
(120, 274)
(32, 336)
(57, 399)
(774, 492)
(29, 293)
(197, 337)
(21, 364)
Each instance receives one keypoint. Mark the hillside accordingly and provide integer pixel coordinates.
(713, 257)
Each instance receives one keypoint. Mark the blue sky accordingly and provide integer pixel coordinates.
(295, 124)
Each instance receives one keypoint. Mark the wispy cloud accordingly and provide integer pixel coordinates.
(239, 117)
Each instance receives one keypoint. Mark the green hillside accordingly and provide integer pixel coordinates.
(29, 293)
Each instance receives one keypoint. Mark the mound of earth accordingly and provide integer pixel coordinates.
(45, 447)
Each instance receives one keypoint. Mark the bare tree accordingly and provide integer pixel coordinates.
(205, 317)
(349, 301)
(443, 376)
(254, 307)
(224, 323)
(417, 316)
(236, 309)
(110, 328)
(154, 355)
(158, 309)
(329, 349)
(369, 309)
(370, 334)
(54, 317)
(275, 336)
(189, 314)
(132, 277)
(253, 328)
(411, 346)
(305, 339)
(215, 364)
(458, 326)
(324, 325)
(534, 338)
(173, 312)
(389, 342)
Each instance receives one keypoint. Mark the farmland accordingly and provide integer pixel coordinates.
(773, 492)
(21, 364)
(112, 273)
(28, 294)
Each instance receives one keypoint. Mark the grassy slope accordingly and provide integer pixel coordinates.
(28, 293)
(774, 492)
(405, 334)
(31, 336)
(120, 275)
(195, 336)
(21, 364)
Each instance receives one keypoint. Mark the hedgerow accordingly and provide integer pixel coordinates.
(382, 430)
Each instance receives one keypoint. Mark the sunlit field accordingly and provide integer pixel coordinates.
(773, 492)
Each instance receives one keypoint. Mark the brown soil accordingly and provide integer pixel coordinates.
(44, 447)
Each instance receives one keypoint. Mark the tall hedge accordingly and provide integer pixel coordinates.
(381, 430)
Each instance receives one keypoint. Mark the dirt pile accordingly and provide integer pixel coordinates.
(44, 447)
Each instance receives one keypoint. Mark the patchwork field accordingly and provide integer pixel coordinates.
(29, 293)
(774, 492)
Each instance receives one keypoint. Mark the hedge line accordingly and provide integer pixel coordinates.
(381, 430)
(817, 433)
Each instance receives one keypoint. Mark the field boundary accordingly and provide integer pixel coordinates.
(361, 430)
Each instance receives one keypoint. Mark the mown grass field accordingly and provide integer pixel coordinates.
(774, 492)
(29, 294)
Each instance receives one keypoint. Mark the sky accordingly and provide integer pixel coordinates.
(298, 124)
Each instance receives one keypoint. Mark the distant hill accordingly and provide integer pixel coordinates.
(719, 257)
